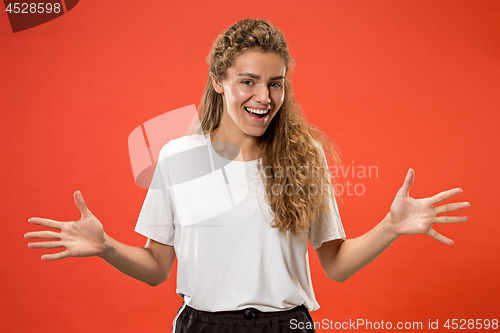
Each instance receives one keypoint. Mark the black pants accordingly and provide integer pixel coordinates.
(250, 320)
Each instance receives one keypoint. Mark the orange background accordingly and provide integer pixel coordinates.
(396, 84)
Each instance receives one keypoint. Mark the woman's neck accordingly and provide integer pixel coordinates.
(249, 145)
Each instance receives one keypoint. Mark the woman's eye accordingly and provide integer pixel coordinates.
(276, 85)
(247, 82)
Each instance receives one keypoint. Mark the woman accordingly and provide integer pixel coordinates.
(242, 247)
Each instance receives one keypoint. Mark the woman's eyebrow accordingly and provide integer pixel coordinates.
(257, 77)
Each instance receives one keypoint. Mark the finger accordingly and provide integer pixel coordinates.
(45, 245)
(405, 189)
(434, 234)
(80, 203)
(46, 222)
(43, 234)
(451, 207)
(445, 195)
(55, 256)
(451, 219)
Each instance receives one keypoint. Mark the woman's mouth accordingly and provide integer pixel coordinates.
(256, 113)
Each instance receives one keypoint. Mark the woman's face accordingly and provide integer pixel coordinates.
(253, 90)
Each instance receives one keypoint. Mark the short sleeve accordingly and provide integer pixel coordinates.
(329, 226)
(156, 219)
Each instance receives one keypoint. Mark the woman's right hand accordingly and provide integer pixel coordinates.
(82, 238)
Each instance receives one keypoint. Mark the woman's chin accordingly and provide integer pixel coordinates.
(255, 132)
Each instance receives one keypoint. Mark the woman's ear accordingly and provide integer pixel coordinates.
(217, 85)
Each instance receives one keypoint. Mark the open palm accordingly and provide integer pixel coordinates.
(82, 238)
(416, 216)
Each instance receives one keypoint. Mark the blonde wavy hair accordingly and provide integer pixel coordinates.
(289, 143)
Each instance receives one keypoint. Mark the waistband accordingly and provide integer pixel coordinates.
(250, 313)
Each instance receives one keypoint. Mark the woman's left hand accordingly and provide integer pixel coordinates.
(415, 216)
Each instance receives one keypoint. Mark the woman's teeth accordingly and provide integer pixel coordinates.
(257, 111)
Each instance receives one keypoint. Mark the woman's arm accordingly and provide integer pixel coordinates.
(341, 259)
(408, 216)
(151, 264)
(86, 237)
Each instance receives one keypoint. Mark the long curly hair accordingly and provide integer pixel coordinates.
(289, 143)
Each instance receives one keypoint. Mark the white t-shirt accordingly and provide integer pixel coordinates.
(213, 211)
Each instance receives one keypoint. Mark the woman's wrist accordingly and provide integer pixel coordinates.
(388, 227)
(107, 246)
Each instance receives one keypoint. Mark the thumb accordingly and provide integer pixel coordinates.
(80, 203)
(405, 189)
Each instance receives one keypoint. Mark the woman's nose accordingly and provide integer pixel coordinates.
(263, 94)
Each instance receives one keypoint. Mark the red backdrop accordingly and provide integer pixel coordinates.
(396, 84)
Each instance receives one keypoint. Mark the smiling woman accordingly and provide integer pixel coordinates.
(252, 92)
(249, 73)
(245, 268)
